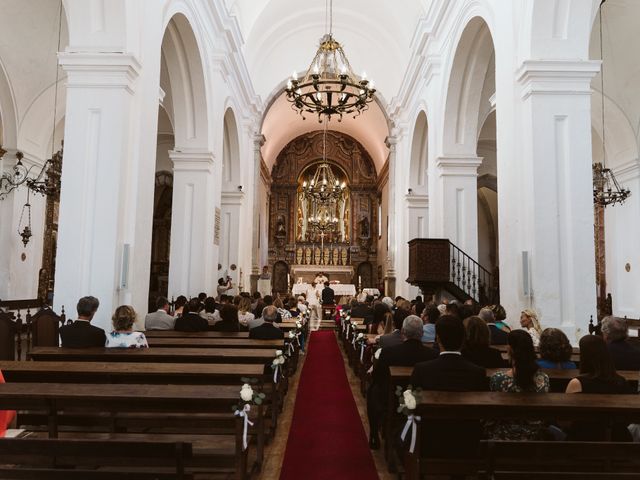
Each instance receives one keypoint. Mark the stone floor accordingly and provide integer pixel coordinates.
(275, 450)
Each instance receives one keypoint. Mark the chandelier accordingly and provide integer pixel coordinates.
(606, 189)
(329, 87)
(323, 193)
(44, 182)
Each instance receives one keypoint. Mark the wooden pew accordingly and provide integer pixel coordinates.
(159, 354)
(551, 406)
(220, 451)
(175, 334)
(82, 459)
(215, 343)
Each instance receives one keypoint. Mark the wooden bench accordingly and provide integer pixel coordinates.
(176, 334)
(492, 463)
(83, 459)
(215, 343)
(222, 452)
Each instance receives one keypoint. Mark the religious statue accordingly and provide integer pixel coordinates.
(364, 227)
(281, 231)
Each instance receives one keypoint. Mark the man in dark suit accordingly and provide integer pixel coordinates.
(81, 334)
(190, 320)
(615, 332)
(364, 310)
(498, 336)
(450, 372)
(328, 295)
(267, 331)
(406, 354)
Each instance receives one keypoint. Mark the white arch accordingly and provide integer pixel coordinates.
(465, 82)
(419, 155)
(230, 152)
(187, 76)
(8, 113)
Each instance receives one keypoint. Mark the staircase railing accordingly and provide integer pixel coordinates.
(471, 277)
(436, 263)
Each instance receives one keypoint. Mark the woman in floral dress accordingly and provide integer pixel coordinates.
(523, 376)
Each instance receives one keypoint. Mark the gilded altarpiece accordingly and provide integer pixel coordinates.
(352, 242)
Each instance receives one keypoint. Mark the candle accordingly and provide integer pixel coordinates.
(359, 280)
(288, 279)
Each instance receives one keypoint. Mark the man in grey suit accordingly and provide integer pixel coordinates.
(160, 319)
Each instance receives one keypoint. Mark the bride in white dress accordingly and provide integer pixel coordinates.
(313, 299)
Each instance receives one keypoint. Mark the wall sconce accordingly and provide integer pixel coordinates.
(409, 191)
(239, 188)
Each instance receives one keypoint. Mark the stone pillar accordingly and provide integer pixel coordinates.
(258, 141)
(90, 243)
(457, 187)
(192, 262)
(390, 275)
(546, 205)
(230, 237)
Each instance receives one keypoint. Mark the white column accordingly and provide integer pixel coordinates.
(98, 118)
(622, 230)
(20, 264)
(230, 235)
(191, 265)
(546, 205)
(457, 187)
(390, 276)
(258, 201)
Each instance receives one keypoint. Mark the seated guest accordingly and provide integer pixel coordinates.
(267, 330)
(597, 375)
(6, 416)
(244, 312)
(254, 300)
(555, 350)
(302, 304)
(328, 295)
(430, 316)
(123, 335)
(190, 321)
(453, 309)
(179, 304)
(417, 308)
(450, 372)
(406, 354)
(385, 327)
(160, 319)
(209, 312)
(81, 334)
(500, 315)
(498, 336)
(379, 310)
(388, 301)
(523, 376)
(292, 305)
(615, 332)
(228, 319)
(477, 348)
(364, 310)
(395, 337)
(283, 313)
(529, 322)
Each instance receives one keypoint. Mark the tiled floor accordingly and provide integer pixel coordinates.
(275, 450)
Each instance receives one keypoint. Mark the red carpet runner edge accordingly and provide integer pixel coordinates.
(327, 439)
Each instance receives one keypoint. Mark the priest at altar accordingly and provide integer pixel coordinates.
(320, 279)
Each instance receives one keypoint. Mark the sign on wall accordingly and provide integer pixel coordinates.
(216, 228)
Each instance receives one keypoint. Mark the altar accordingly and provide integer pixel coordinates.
(340, 289)
(307, 273)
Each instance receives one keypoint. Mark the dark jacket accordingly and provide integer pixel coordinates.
(498, 337)
(390, 339)
(81, 334)
(379, 310)
(191, 322)
(328, 296)
(266, 331)
(226, 327)
(450, 373)
(625, 356)
(362, 310)
(485, 357)
(406, 354)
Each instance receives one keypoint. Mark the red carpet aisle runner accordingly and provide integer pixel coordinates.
(327, 440)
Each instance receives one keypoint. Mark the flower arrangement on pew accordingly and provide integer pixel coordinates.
(275, 364)
(360, 342)
(408, 399)
(247, 397)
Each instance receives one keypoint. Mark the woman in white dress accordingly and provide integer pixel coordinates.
(313, 300)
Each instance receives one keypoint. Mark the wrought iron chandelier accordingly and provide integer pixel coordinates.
(329, 87)
(606, 189)
(323, 191)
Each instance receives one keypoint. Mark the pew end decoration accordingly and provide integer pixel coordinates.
(408, 400)
(248, 397)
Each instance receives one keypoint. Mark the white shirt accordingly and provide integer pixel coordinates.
(312, 296)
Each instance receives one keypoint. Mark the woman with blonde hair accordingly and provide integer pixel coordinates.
(123, 335)
(529, 322)
(244, 311)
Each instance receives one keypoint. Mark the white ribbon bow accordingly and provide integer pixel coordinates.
(348, 325)
(275, 374)
(291, 348)
(298, 337)
(361, 351)
(411, 422)
(245, 414)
